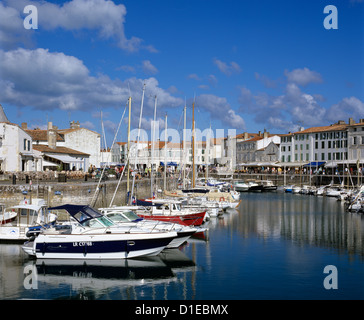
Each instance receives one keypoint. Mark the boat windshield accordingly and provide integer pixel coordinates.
(100, 222)
(117, 217)
(131, 215)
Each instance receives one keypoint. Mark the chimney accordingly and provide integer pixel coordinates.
(259, 134)
(74, 125)
(24, 125)
(51, 136)
(246, 135)
(265, 134)
(351, 121)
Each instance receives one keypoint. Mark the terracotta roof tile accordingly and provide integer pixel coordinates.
(45, 148)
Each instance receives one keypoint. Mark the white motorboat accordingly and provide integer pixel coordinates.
(268, 185)
(91, 235)
(6, 216)
(241, 186)
(129, 218)
(26, 216)
(334, 191)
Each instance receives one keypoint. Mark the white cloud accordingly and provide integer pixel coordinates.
(194, 76)
(346, 108)
(148, 68)
(51, 80)
(103, 16)
(12, 31)
(303, 76)
(227, 69)
(220, 109)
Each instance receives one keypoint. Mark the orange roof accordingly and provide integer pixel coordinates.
(45, 148)
(332, 127)
(41, 135)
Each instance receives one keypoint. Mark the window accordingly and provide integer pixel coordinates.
(25, 144)
(316, 156)
(316, 145)
(329, 156)
(322, 156)
(322, 144)
(329, 144)
(28, 145)
(282, 158)
(354, 141)
(307, 146)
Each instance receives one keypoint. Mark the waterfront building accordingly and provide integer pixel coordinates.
(315, 146)
(53, 148)
(356, 143)
(174, 153)
(16, 151)
(260, 147)
(334, 146)
(83, 140)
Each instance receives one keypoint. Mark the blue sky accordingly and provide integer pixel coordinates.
(249, 65)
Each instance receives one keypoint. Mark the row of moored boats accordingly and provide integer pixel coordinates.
(353, 197)
(143, 229)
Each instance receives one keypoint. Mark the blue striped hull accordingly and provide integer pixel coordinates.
(91, 248)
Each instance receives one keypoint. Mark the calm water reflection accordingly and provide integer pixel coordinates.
(274, 247)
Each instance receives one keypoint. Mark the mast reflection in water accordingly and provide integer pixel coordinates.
(275, 246)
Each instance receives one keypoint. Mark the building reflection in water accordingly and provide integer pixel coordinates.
(317, 221)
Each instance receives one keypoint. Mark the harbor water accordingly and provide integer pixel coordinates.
(274, 246)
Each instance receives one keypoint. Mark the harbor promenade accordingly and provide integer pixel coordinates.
(80, 190)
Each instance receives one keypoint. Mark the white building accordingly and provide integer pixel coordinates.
(252, 148)
(16, 151)
(356, 142)
(317, 145)
(83, 140)
(53, 146)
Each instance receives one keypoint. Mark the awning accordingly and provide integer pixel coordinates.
(49, 164)
(292, 164)
(174, 164)
(332, 164)
(65, 158)
(315, 164)
(259, 164)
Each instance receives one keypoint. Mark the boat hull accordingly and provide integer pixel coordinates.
(91, 246)
(193, 219)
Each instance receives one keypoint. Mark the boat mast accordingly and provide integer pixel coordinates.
(165, 155)
(140, 124)
(207, 155)
(153, 145)
(193, 145)
(184, 150)
(128, 178)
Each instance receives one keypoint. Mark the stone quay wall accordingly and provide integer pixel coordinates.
(82, 192)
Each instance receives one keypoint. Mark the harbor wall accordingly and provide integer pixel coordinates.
(82, 192)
